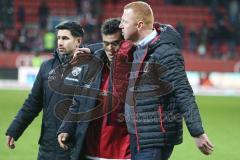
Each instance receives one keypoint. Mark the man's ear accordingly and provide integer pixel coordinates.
(79, 41)
(140, 25)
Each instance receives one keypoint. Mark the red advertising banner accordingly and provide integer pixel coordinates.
(15, 60)
(192, 63)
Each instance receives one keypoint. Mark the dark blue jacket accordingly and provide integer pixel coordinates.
(42, 98)
(161, 91)
(85, 100)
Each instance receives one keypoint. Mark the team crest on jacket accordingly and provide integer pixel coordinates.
(52, 72)
(76, 71)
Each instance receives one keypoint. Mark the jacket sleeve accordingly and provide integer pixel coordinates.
(95, 47)
(30, 109)
(172, 59)
(69, 123)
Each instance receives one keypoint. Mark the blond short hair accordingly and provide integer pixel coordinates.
(143, 12)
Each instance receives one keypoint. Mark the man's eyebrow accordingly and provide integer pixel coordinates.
(65, 37)
(123, 20)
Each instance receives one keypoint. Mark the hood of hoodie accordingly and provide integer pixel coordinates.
(168, 34)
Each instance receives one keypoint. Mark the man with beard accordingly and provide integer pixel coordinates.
(43, 98)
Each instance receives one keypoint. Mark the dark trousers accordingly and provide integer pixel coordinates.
(153, 153)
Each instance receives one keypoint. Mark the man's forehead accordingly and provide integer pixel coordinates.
(128, 10)
(64, 32)
(128, 14)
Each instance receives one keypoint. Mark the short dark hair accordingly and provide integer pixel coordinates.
(75, 28)
(111, 26)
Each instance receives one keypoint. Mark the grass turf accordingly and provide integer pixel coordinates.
(220, 115)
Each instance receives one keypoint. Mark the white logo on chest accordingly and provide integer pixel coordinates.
(76, 71)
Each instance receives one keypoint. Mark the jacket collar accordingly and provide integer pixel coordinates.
(145, 41)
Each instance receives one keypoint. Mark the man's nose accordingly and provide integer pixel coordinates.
(120, 25)
(60, 42)
(110, 47)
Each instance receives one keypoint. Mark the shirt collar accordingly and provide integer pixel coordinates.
(147, 39)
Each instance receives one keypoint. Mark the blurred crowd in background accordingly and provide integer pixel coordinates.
(41, 38)
(221, 38)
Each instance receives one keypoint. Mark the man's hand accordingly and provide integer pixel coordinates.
(204, 144)
(63, 139)
(10, 142)
(77, 55)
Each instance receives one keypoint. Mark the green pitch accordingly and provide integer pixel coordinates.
(220, 115)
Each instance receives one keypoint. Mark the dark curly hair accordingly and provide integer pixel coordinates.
(111, 26)
(75, 28)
